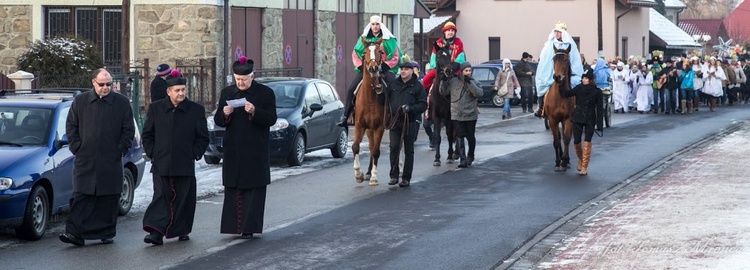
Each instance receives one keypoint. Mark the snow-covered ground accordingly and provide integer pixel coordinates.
(209, 176)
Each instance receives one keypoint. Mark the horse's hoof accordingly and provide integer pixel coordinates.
(436, 163)
(359, 180)
(449, 161)
(368, 176)
(456, 156)
(373, 182)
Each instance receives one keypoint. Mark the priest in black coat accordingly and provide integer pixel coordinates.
(175, 135)
(247, 169)
(100, 130)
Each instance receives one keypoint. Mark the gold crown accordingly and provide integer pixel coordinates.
(561, 26)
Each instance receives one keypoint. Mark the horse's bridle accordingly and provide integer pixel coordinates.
(565, 73)
(376, 70)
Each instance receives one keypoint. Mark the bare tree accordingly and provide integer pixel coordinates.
(708, 9)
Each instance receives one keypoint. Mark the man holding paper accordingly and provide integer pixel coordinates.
(247, 110)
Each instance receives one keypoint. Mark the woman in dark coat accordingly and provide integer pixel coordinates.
(100, 131)
(175, 135)
(247, 169)
(587, 113)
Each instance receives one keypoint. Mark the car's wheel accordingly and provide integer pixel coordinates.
(297, 153)
(128, 190)
(498, 101)
(36, 216)
(342, 144)
(211, 159)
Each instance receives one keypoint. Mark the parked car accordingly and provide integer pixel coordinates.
(487, 72)
(308, 112)
(36, 166)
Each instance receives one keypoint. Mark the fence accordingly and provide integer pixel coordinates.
(201, 79)
(6, 83)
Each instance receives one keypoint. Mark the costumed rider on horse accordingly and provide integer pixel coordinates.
(560, 39)
(373, 31)
(456, 48)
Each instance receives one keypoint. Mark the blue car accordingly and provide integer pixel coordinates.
(36, 167)
(308, 111)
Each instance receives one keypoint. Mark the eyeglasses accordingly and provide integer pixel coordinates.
(103, 84)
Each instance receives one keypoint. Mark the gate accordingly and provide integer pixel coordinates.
(6, 83)
(298, 51)
(201, 80)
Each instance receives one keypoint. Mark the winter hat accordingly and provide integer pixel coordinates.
(175, 78)
(464, 65)
(449, 25)
(407, 64)
(589, 73)
(243, 66)
(506, 61)
(163, 69)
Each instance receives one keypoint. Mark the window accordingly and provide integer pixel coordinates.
(624, 54)
(298, 4)
(483, 74)
(349, 6)
(100, 25)
(494, 48)
(326, 93)
(311, 96)
(391, 21)
(61, 119)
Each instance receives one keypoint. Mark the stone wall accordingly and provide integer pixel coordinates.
(168, 32)
(325, 46)
(15, 35)
(406, 35)
(273, 39)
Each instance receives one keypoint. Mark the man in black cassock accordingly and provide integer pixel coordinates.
(247, 169)
(100, 131)
(175, 135)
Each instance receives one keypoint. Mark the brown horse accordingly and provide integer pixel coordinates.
(440, 105)
(558, 109)
(368, 112)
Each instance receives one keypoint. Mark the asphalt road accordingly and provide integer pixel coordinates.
(449, 218)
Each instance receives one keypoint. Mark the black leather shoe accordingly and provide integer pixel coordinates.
(72, 239)
(107, 241)
(246, 236)
(154, 239)
(404, 183)
(184, 238)
(393, 181)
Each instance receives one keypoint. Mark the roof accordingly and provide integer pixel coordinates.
(642, 3)
(701, 26)
(433, 22)
(674, 4)
(421, 10)
(737, 23)
(672, 36)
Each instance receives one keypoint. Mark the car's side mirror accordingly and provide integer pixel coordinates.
(316, 107)
(61, 142)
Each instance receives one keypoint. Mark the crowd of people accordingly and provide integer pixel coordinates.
(678, 85)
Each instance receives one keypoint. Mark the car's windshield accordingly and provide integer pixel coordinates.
(24, 126)
(287, 94)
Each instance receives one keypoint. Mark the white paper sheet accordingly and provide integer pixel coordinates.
(236, 103)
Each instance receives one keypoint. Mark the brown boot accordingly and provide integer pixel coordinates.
(579, 154)
(696, 103)
(586, 158)
(683, 104)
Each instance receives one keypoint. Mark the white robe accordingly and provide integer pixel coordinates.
(633, 88)
(698, 82)
(620, 88)
(713, 85)
(645, 92)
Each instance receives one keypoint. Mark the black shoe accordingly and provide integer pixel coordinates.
(246, 236)
(154, 239)
(404, 183)
(107, 241)
(469, 160)
(393, 181)
(72, 239)
(184, 238)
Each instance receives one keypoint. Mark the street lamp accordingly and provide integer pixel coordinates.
(702, 39)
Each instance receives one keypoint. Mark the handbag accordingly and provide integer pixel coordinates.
(504, 89)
